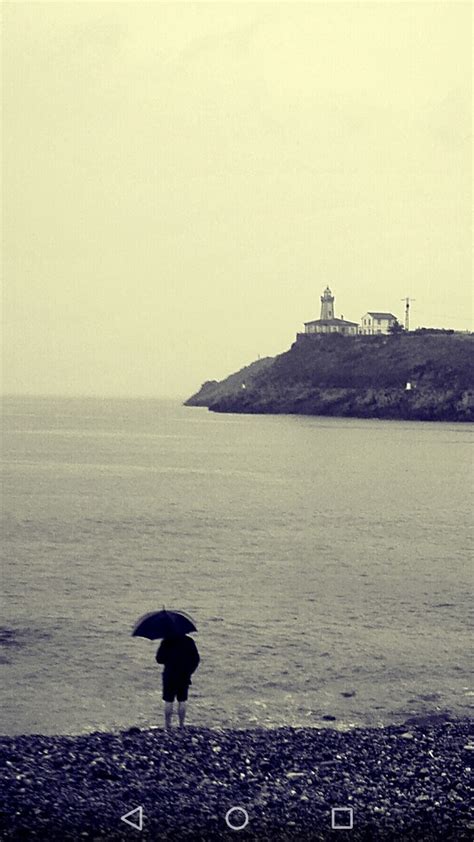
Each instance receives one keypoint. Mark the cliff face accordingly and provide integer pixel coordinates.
(363, 376)
(214, 390)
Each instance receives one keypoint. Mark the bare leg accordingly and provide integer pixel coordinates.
(168, 714)
(181, 713)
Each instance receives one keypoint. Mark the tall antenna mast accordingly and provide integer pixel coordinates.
(407, 311)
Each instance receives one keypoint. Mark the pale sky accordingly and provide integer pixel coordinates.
(181, 181)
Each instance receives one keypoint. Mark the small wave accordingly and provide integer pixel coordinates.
(9, 637)
(96, 434)
(19, 638)
(428, 718)
(124, 468)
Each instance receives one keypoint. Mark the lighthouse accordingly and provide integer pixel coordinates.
(327, 304)
(328, 322)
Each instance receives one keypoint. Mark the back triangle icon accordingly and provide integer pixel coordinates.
(138, 814)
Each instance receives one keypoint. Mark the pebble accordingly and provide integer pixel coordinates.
(192, 775)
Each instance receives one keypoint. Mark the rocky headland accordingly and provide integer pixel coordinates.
(361, 376)
(408, 782)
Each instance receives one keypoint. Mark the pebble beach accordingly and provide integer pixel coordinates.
(405, 783)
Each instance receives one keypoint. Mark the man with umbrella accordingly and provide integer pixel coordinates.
(177, 652)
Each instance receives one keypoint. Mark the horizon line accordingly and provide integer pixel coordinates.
(91, 395)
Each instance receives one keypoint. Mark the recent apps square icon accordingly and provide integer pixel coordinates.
(342, 818)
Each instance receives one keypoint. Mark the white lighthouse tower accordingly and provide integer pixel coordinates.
(327, 304)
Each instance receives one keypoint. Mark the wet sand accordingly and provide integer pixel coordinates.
(403, 783)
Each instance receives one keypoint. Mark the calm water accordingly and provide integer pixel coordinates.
(318, 556)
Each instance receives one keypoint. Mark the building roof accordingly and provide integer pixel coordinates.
(334, 322)
(381, 315)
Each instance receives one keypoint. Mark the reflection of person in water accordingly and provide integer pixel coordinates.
(180, 657)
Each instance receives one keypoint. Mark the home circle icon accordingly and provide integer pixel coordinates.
(237, 818)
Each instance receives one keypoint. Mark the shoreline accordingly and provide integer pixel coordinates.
(404, 782)
(408, 377)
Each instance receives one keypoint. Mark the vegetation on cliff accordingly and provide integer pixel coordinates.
(363, 376)
(214, 390)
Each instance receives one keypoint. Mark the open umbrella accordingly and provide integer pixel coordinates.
(163, 624)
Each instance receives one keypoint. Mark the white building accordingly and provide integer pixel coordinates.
(328, 322)
(373, 323)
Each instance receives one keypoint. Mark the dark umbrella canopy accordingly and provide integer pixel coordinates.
(163, 624)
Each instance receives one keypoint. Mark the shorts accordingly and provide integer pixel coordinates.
(175, 687)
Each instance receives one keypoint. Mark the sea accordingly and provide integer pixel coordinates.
(325, 561)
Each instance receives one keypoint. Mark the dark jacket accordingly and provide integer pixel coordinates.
(179, 656)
